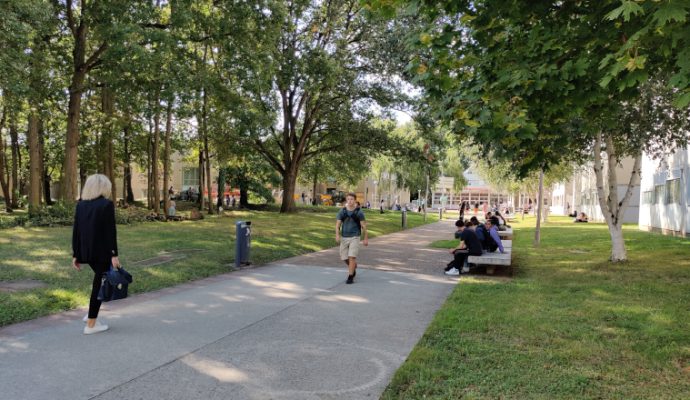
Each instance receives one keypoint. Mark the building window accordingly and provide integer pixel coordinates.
(659, 194)
(648, 197)
(190, 177)
(673, 191)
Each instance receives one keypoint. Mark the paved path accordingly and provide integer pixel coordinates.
(288, 330)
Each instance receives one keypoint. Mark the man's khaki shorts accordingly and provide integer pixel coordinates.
(349, 247)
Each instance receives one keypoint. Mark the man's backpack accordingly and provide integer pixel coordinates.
(354, 217)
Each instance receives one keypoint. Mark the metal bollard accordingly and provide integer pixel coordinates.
(404, 219)
(440, 214)
(243, 243)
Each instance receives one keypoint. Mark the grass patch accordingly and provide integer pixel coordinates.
(44, 253)
(569, 325)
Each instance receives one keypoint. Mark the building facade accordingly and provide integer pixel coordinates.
(665, 194)
(579, 193)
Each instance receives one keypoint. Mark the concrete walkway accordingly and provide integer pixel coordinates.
(288, 330)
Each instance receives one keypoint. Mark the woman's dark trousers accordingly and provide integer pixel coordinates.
(94, 304)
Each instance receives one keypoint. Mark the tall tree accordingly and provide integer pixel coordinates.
(322, 68)
(517, 77)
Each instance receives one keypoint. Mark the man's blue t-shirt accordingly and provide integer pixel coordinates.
(350, 228)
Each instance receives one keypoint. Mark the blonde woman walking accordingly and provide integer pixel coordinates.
(94, 240)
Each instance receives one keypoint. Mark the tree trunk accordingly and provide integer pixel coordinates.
(107, 103)
(35, 172)
(313, 190)
(289, 183)
(127, 192)
(69, 190)
(155, 155)
(540, 203)
(45, 175)
(166, 156)
(207, 154)
(14, 149)
(149, 166)
(618, 251)
(244, 196)
(221, 187)
(612, 208)
(200, 199)
(82, 177)
(3, 165)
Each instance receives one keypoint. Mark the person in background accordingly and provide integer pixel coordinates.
(582, 218)
(94, 240)
(501, 220)
(172, 210)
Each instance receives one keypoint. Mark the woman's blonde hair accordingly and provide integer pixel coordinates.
(96, 185)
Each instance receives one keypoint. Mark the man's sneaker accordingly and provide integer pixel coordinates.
(350, 279)
(452, 272)
(96, 328)
(466, 269)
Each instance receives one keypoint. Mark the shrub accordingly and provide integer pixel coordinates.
(55, 215)
(129, 215)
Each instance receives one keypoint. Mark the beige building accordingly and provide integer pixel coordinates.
(184, 175)
(369, 189)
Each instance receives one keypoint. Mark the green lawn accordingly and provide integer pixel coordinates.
(567, 325)
(45, 253)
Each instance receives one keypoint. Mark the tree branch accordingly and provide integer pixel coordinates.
(259, 146)
(70, 17)
(94, 59)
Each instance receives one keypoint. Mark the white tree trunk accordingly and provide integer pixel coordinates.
(618, 252)
(612, 208)
(540, 203)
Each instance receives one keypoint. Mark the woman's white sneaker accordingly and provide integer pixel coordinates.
(96, 328)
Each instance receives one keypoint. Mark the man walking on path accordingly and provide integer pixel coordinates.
(351, 219)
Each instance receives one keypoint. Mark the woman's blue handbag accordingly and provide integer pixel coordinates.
(114, 284)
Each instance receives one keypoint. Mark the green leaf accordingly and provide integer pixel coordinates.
(627, 8)
(670, 11)
(604, 82)
(683, 100)
(472, 123)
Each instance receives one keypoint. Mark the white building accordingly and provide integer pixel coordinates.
(665, 194)
(579, 193)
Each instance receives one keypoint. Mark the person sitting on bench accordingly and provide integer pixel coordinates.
(492, 241)
(469, 246)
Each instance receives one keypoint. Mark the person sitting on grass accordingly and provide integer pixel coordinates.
(492, 241)
(582, 218)
(172, 210)
(469, 246)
